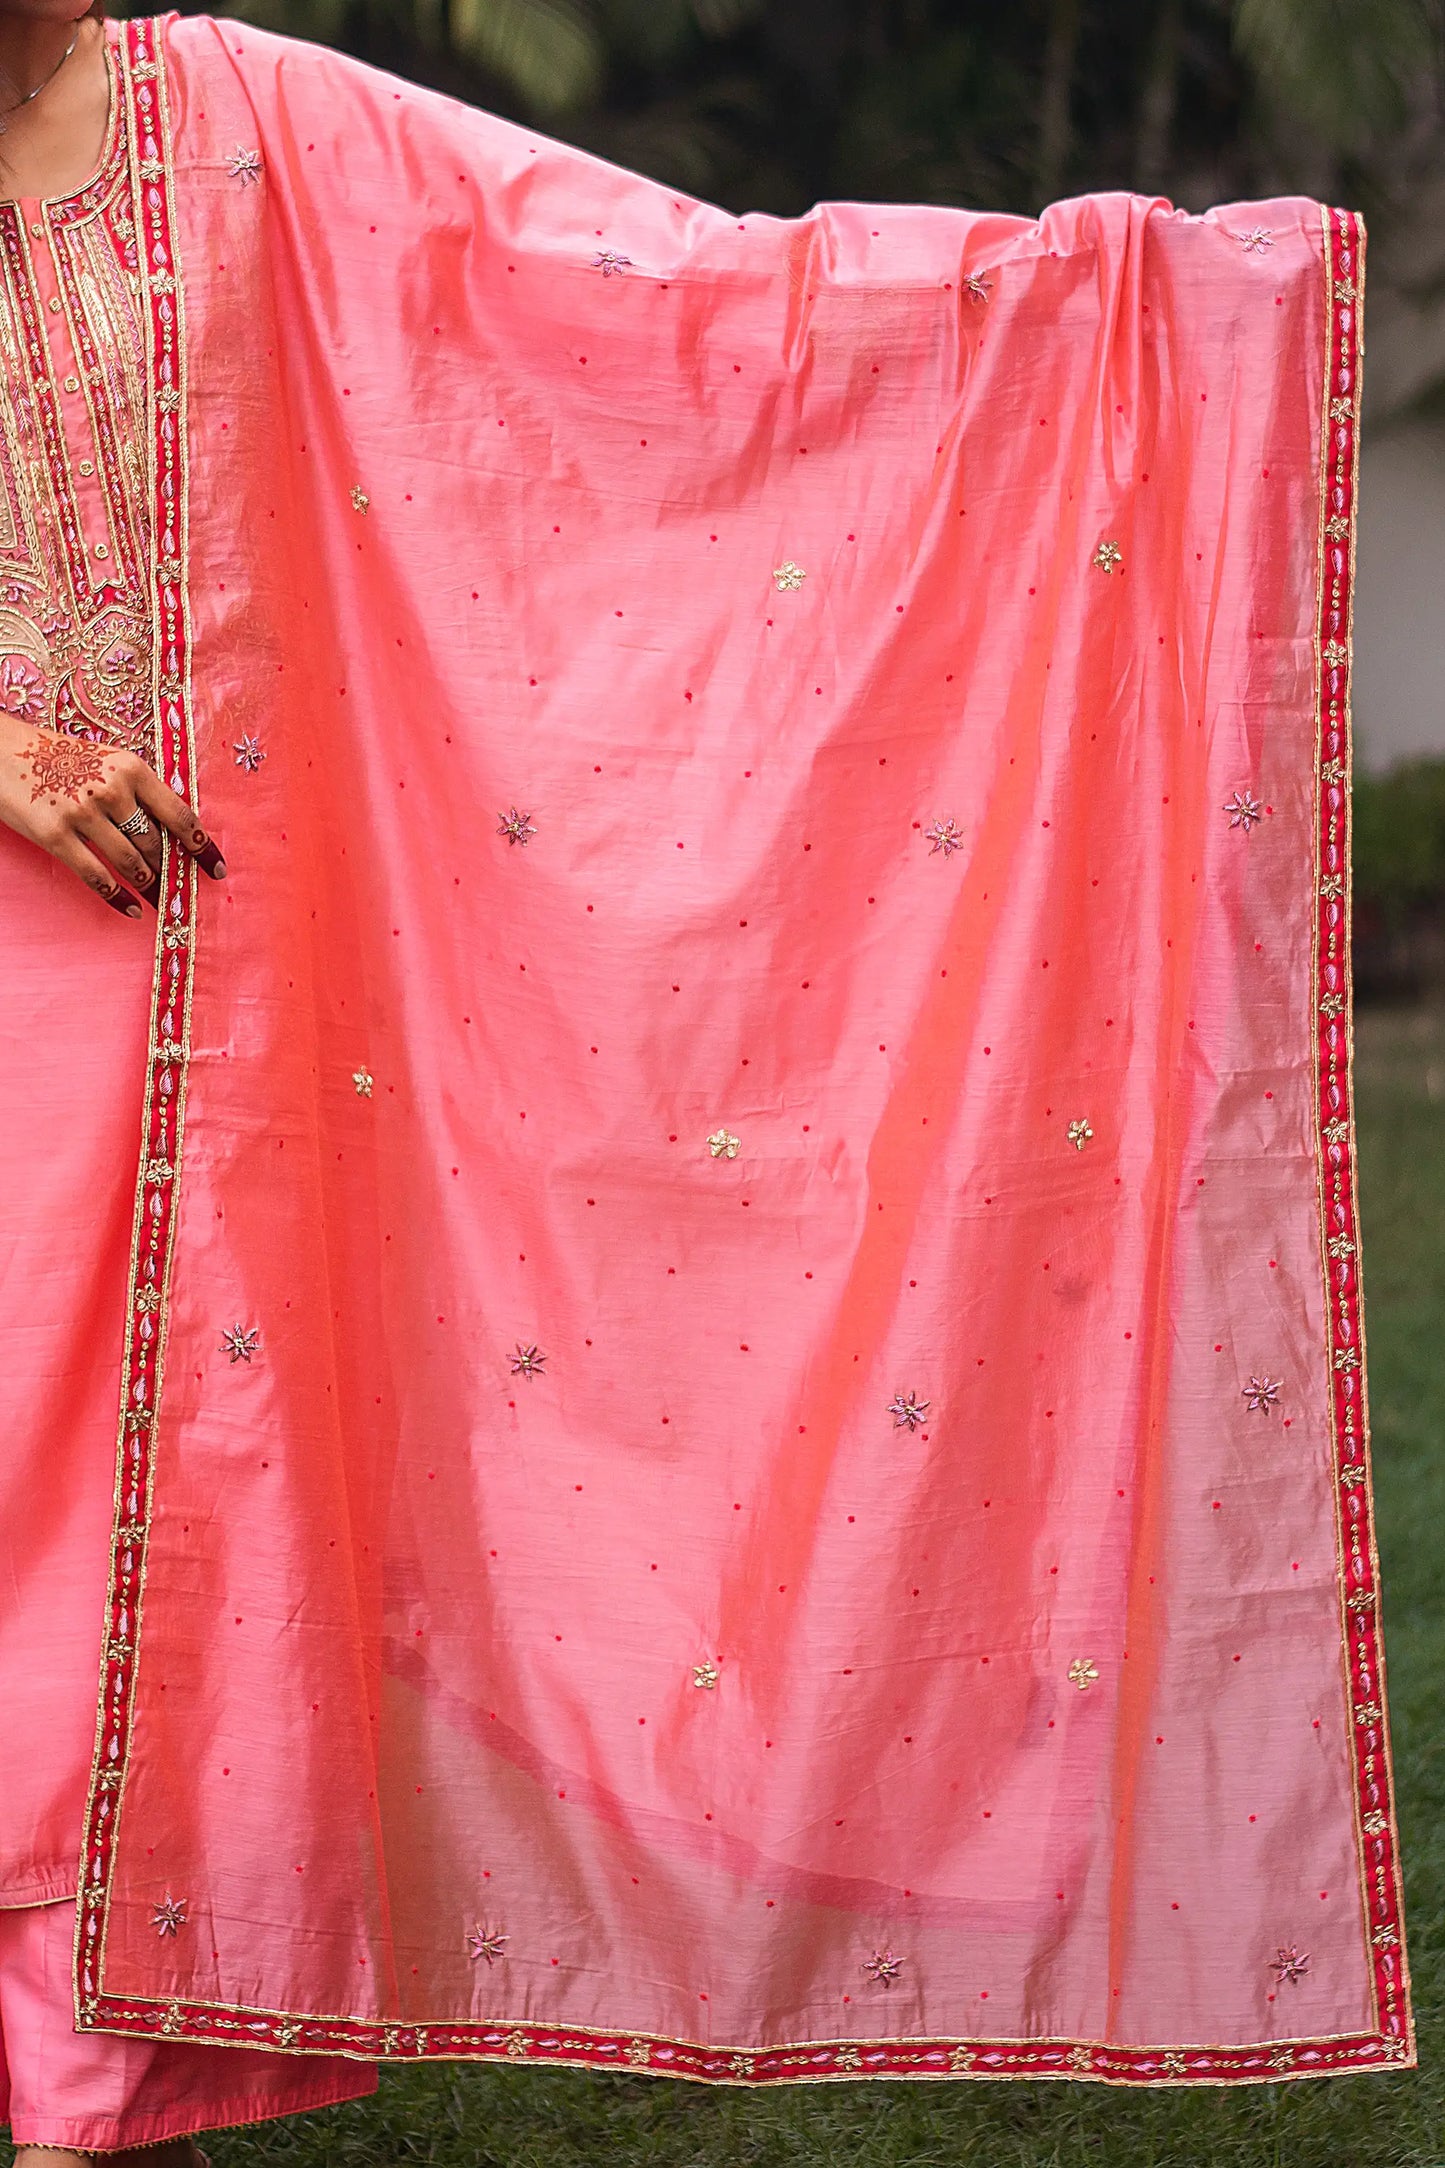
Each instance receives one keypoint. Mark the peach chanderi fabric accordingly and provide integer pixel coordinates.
(743, 1447)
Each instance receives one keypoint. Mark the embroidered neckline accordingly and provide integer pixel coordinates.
(112, 150)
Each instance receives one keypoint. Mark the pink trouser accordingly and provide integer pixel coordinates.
(98, 2092)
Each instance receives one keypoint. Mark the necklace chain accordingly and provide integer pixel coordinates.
(44, 80)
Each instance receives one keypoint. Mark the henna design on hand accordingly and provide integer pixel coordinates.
(60, 766)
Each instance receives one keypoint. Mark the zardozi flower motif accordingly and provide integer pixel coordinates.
(1290, 1964)
(169, 1916)
(249, 754)
(528, 1362)
(723, 1144)
(1079, 1133)
(360, 501)
(908, 1411)
(1261, 1394)
(1083, 1672)
(608, 261)
(363, 1081)
(1244, 809)
(516, 827)
(22, 688)
(241, 1342)
(706, 1675)
(944, 836)
(977, 284)
(1256, 240)
(788, 576)
(487, 1947)
(882, 1966)
(1107, 556)
(246, 166)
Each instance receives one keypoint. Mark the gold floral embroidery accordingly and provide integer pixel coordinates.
(706, 1675)
(1083, 1672)
(1079, 1133)
(359, 498)
(1107, 556)
(169, 1916)
(723, 1145)
(882, 1966)
(788, 576)
(363, 1081)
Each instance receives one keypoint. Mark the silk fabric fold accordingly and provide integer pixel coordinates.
(743, 1446)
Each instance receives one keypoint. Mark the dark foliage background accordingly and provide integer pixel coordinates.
(774, 104)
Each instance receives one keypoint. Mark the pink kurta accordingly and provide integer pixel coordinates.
(76, 656)
(742, 1446)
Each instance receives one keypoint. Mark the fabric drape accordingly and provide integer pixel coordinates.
(742, 1444)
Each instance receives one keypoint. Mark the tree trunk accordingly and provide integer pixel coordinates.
(1056, 97)
(1158, 98)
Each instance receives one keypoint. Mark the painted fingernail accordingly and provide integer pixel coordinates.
(132, 910)
(218, 869)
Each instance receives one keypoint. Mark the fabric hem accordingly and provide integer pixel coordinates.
(76, 2133)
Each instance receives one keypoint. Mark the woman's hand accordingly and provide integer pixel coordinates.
(70, 797)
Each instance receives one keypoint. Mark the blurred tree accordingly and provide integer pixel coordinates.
(776, 104)
(771, 104)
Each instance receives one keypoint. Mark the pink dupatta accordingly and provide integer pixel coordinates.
(743, 1448)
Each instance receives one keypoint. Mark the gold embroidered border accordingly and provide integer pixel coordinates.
(1363, 1681)
(163, 1115)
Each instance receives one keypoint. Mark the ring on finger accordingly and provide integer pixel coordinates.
(135, 825)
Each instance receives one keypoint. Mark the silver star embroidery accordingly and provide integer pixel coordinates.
(1079, 1133)
(169, 1916)
(882, 1966)
(943, 836)
(246, 166)
(528, 1362)
(706, 1675)
(1290, 1965)
(608, 261)
(907, 1410)
(723, 1144)
(487, 1947)
(1261, 1394)
(978, 285)
(1107, 556)
(1256, 240)
(1244, 809)
(516, 827)
(241, 1342)
(788, 576)
(249, 754)
(363, 1080)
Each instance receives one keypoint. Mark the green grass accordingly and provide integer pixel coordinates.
(480, 2115)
